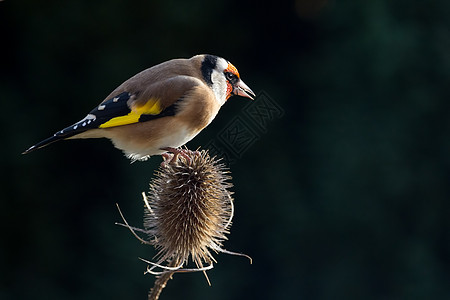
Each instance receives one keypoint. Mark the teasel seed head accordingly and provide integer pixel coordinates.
(188, 212)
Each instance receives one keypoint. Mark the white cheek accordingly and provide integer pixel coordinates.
(219, 86)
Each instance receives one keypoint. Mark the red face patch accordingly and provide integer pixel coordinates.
(229, 90)
(231, 69)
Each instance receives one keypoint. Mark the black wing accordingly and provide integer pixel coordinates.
(110, 113)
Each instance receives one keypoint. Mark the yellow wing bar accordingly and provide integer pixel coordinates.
(151, 107)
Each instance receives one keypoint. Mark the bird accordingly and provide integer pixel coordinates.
(161, 108)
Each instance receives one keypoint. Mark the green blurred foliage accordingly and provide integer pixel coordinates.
(345, 197)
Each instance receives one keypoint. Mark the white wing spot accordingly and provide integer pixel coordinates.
(75, 127)
(115, 99)
(101, 107)
(84, 124)
(89, 117)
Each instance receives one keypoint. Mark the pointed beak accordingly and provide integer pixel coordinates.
(241, 89)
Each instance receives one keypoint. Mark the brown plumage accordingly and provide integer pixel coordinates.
(161, 107)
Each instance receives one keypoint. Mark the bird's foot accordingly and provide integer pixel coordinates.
(166, 158)
(171, 156)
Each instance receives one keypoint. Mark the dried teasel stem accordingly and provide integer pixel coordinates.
(160, 283)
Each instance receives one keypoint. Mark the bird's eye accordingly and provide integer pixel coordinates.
(230, 76)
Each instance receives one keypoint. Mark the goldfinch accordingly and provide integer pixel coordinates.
(161, 108)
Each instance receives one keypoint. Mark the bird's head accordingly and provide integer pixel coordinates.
(224, 79)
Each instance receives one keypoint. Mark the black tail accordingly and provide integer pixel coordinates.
(117, 106)
(66, 133)
(47, 141)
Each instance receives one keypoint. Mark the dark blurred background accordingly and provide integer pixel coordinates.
(346, 196)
